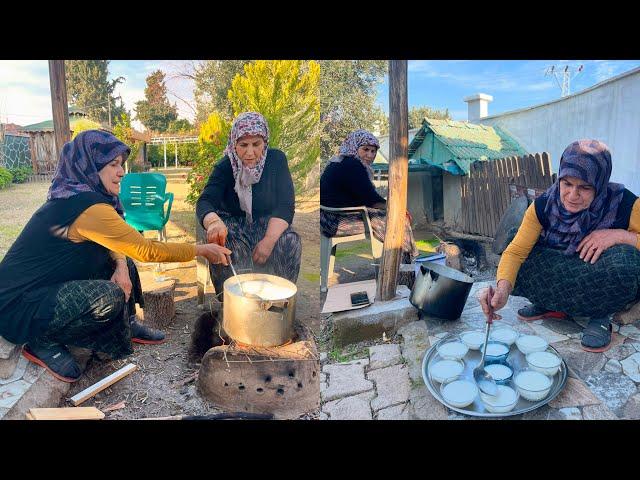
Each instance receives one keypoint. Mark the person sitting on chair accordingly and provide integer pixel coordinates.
(66, 280)
(347, 181)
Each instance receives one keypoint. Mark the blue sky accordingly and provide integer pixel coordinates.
(513, 84)
(25, 97)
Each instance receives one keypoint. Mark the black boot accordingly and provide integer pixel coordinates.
(56, 358)
(142, 334)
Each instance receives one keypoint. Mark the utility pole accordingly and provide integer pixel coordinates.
(568, 73)
(398, 174)
(109, 102)
(165, 153)
(59, 107)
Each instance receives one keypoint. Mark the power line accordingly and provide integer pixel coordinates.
(568, 73)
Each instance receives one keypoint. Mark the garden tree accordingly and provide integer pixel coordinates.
(181, 125)
(347, 102)
(417, 114)
(123, 131)
(155, 112)
(212, 141)
(82, 125)
(286, 93)
(212, 80)
(89, 88)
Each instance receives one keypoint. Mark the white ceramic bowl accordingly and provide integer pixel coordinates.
(544, 362)
(531, 343)
(452, 350)
(499, 372)
(532, 385)
(459, 392)
(473, 339)
(504, 334)
(504, 401)
(444, 370)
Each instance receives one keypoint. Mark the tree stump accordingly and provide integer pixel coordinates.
(283, 380)
(159, 306)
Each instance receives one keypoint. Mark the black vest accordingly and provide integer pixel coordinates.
(40, 260)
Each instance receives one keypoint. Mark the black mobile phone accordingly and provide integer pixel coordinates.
(359, 298)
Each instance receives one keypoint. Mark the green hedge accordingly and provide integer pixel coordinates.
(20, 174)
(5, 178)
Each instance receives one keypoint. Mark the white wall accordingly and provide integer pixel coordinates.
(608, 111)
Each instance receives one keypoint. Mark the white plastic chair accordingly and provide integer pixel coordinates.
(328, 245)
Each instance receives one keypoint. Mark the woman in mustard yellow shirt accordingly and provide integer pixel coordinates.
(66, 280)
(577, 251)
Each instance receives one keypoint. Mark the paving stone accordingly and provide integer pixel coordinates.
(613, 389)
(564, 326)
(598, 412)
(323, 377)
(630, 331)
(392, 385)
(3, 412)
(9, 365)
(7, 349)
(615, 327)
(398, 412)
(323, 357)
(571, 413)
(33, 372)
(548, 334)
(12, 392)
(631, 367)
(323, 387)
(582, 362)
(574, 394)
(18, 372)
(424, 406)
(631, 410)
(620, 352)
(415, 344)
(323, 416)
(613, 366)
(381, 356)
(345, 380)
(358, 361)
(355, 407)
(543, 413)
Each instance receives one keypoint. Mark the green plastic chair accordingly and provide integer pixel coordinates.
(143, 197)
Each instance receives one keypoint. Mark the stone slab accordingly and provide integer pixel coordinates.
(371, 322)
(424, 406)
(7, 349)
(355, 407)
(574, 394)
(548, 334)
(392, 386)
(564, 326)
(613, 366)
(598, 412)
(8, 366)
(571, 413)
(415, 344)
(613, 389)
(630, 331)
(10, 393)
(543, 413)
(381, 356)
(582, 362)
(18, 371)
(620, 352)
(397, 412)
(631, 367)
(345, 380)
(631, 409)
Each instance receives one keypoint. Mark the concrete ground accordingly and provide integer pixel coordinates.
(382, 379)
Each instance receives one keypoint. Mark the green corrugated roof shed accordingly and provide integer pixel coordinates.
(454, 146)
(75, 115)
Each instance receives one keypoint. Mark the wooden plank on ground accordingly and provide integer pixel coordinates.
(66, 413)
(89, 392)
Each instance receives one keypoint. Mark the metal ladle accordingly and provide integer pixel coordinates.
(483, 379)
(250, 295)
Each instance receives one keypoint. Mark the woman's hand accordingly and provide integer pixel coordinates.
(592, 246)
(263, 250)
(217, 232)
(499, 300)
(214, 253)
(121, 278)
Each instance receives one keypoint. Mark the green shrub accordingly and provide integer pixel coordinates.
(5, 178)
(20, 174)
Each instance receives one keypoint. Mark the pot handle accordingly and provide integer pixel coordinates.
(434, 275)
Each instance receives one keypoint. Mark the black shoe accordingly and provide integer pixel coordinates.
(57, 360)
(531, 313)
(142, 334)
(596, 336)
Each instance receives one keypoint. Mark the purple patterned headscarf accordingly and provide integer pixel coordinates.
(352, 143)
(248, 123)
(80, 161)
(590, 161)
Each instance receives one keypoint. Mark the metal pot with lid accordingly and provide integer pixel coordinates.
(259, 309)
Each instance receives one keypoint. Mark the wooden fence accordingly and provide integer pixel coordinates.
(485, 190)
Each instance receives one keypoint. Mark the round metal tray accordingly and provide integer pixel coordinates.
(517, 361)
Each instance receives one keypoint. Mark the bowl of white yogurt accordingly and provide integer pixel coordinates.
(500, 372)
(497, 352)
(472, 339)
(459, 391)
(504, 401)
(506, 335)
(545, 362)
(532, 385)
(452, 349)
(444, 370)
(531, 343)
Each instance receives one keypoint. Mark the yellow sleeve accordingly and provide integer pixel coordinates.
(101, 224)
(634, 221)
(520, 247)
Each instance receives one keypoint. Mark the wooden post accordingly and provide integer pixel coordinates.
(398, 174)
(59, 106)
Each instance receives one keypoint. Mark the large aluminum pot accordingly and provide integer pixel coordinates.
(264, 322)
(440, 291)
